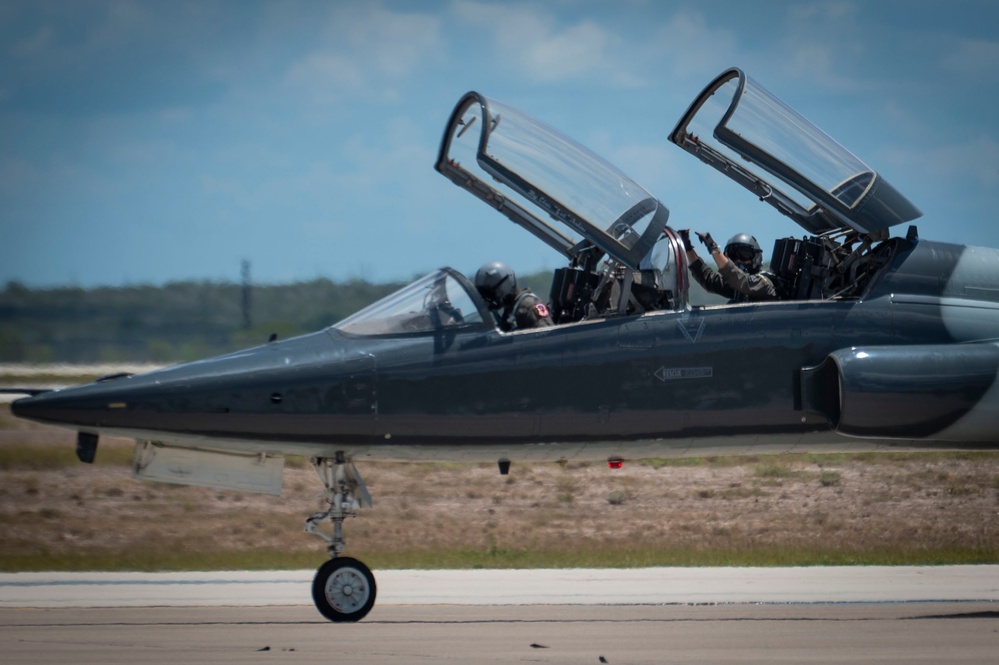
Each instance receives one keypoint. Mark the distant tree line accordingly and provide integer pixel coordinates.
(179, 321)
(176, 322)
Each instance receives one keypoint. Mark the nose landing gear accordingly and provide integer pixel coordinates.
(344, 588)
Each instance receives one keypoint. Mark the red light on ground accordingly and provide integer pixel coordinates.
(615, 463)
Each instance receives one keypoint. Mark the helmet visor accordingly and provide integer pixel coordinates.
(495, 291)
(741, 253)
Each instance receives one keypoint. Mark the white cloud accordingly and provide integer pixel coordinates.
(123, 23)
(366, 50)
(326, 74)
(547, 50)
(17, 176)
(974, 162)
(36, 43)
(974, 59)
(73, 34)
(575, 52)
(688, 46)
(824, 11)
(824, 44)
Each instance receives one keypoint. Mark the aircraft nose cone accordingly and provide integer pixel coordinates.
(26, 407)
(61, 407)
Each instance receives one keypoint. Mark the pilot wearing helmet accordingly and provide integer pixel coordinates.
(514, 309)
(739, 277)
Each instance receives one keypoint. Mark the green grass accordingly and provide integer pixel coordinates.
(789, 460)
(494, 558)
(775, 470)
(47, 458)
(829, 478)
(774, 467)
(162, 560)
(712, 462)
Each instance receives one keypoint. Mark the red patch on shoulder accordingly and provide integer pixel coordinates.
(541, 309)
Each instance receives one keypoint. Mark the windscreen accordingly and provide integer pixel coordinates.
(431, 303)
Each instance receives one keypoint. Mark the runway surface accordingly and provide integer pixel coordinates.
(653, 615)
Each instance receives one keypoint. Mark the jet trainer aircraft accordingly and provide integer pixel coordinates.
(879, 340)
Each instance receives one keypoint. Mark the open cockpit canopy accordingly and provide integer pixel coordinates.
(523, 167)
(588, 210)
(741, 129)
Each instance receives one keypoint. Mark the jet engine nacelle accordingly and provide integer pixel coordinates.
(934, 392)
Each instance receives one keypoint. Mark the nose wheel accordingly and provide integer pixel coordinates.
(344, 589)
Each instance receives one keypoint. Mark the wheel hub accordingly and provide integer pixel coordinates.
(346, 590)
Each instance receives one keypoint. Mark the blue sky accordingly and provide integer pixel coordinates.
(147, 142)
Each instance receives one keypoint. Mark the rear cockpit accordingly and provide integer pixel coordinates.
(739, 128)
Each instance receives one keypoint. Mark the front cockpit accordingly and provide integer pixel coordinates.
(622, 257)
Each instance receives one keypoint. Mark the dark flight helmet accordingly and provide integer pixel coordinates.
(496, 282)
(743, 250)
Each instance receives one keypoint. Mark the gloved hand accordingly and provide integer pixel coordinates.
(709, 242)
(685, 237)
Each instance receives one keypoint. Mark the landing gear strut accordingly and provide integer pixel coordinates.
(344, 588)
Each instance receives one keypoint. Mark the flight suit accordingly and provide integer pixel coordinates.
(526, 311)
(733, 283)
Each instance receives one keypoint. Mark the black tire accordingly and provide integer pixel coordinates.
(344, 589)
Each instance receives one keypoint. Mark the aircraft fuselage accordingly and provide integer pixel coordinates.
(660, 383)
